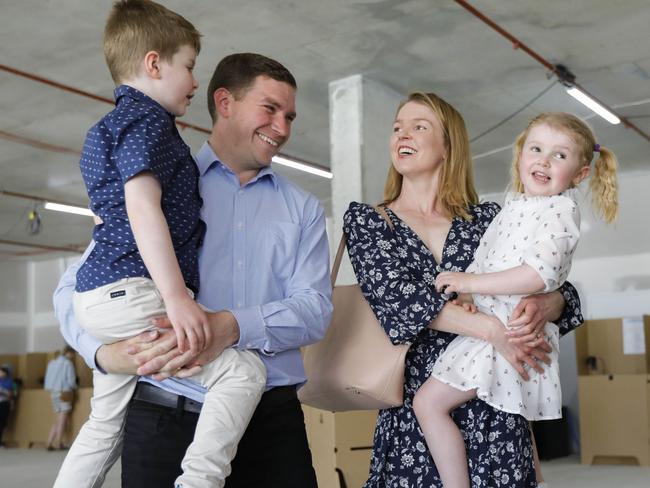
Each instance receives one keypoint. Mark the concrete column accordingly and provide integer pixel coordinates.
(361, 116)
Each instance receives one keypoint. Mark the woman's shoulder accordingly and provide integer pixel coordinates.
(360, 213)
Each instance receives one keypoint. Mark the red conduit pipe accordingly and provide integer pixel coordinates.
(517, 44)
(99, 98)
(34, 198)
(45, 247)
(37, 144)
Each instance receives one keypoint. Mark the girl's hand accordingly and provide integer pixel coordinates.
(449, 282)
(465, 300)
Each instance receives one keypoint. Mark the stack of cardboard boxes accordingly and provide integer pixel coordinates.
(341, 445)
(32, 417)
(613, 359)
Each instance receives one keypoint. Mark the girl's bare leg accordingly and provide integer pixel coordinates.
(433, 404)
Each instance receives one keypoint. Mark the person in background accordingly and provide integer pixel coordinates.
(60, 381)
(7, 396)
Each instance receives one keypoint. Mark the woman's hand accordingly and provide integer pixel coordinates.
(531, 315)
(517, 354)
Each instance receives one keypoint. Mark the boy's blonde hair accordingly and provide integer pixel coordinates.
(456, 190)
(135, 27)
(603, 184)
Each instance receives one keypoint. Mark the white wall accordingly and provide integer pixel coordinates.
(27, 321)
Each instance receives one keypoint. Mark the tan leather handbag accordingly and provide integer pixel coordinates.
(355, 366)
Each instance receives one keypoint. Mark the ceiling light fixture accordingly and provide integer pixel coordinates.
(568, 79)
(593, 105)
(58, 207)
(291, 163)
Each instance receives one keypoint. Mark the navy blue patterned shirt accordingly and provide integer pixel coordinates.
(138, 135)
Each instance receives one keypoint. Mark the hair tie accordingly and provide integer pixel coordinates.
(597, 148)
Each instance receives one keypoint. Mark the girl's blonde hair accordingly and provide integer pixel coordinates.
(603, 184)
(456, 190)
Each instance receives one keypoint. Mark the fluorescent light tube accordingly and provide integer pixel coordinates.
(58, 207)
(302, 167)
(593, 105)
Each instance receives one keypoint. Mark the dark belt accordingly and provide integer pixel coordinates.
(146, 392)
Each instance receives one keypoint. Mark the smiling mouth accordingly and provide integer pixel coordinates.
(267, 139)
(405, 151)
(539, 176)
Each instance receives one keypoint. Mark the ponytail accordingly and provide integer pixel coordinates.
(603, 185)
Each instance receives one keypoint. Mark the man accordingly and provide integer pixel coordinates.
(264, 267)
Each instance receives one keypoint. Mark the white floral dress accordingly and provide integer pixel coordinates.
(541, 232)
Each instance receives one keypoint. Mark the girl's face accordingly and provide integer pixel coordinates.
(549, 162)
(417, 145)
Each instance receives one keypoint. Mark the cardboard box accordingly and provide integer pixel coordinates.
(31, 369)
(614, 394)
(341, 445)
(33, 417)
(83, 372)
(603, 340)
(12, 360)
(614, 418)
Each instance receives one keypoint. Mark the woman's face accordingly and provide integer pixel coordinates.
(417, 145)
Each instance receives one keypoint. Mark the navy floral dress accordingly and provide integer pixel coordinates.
(396, 272)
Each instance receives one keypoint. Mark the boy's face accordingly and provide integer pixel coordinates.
(178, 82)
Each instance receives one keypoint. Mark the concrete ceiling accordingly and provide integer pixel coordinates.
(434, 45)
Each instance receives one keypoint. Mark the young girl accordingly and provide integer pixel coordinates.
(526, 249)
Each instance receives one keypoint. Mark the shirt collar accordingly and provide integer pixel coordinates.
(129, 91)
(206, 158)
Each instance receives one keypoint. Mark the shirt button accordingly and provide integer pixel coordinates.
(240, 192)
(238, 304)
(240, 225)
(239, 264)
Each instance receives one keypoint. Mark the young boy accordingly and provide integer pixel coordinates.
(143, 184)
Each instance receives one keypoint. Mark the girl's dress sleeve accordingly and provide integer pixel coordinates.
(557, 238)
(554, 242)
(403, 304)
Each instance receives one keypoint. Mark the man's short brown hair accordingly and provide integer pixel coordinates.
(237, 72)
(135, 27)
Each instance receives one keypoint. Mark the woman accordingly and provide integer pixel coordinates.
(61, 382)
(438, 222)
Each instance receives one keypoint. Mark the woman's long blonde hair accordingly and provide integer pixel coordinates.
(603, 184)
(456, 190)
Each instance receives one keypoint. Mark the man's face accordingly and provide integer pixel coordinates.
(259, 122)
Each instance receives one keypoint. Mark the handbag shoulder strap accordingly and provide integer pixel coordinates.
(339, 252)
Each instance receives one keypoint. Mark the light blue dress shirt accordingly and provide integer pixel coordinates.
(265, 257)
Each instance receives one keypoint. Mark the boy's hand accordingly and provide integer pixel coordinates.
(449, 282)
(190, 324)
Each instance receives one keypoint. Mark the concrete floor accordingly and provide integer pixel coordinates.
(36, 468)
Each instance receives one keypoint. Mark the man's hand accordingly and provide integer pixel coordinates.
(124, 357)
(449, 282)
(224, 333)
(531, 314)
